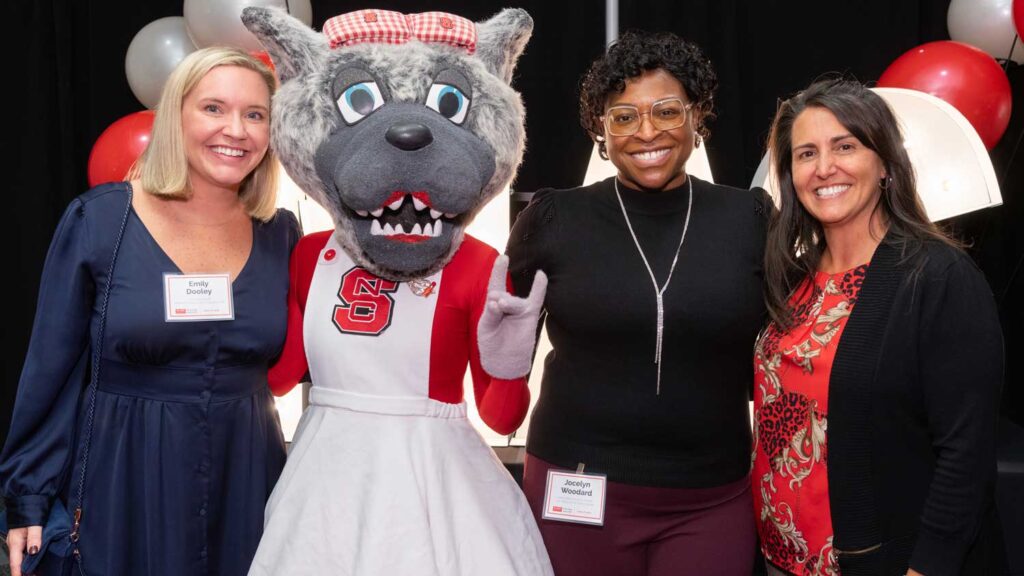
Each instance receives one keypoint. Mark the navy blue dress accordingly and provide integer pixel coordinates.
(186, 444)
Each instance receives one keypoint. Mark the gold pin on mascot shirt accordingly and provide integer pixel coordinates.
(402, 127)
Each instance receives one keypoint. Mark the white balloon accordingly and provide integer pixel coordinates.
(987, 24)
(154, 52)
(219, 22)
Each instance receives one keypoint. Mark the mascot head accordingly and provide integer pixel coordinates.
(401, 126)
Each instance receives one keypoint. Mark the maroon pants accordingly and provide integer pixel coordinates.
(652, 531)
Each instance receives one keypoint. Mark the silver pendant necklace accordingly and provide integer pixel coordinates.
(659, 292)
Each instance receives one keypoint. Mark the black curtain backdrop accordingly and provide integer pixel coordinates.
(65, 63)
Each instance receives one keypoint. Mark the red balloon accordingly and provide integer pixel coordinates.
(962, 75)
(265, 58)
(119, 146)
(1018, 18)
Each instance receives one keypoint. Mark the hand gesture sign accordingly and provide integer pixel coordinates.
(507, 331)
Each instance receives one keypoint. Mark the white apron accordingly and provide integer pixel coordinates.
(382, 479)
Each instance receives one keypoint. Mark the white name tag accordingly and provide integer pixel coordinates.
(572, 497)
(197, 297)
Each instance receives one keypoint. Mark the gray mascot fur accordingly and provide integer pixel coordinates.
(351, 163)
(402, 128)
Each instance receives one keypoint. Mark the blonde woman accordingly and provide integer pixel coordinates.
(179, 442)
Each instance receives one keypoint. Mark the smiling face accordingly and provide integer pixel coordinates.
(835, 175)
(651, 159)
(225, 124)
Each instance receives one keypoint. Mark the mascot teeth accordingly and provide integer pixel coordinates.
(404, 223)
(379, 107)
(427, 230)
(431, 116)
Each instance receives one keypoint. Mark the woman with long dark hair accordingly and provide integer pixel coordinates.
(877, 381)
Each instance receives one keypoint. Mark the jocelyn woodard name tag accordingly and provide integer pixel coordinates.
(571, 497)
(197, 297)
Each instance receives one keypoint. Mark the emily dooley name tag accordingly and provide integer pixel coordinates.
(571, 497)
(197, 298)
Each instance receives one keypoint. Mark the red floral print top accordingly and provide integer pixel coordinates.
(790, 456)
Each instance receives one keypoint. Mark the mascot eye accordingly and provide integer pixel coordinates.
(359, 100)
(448, 101)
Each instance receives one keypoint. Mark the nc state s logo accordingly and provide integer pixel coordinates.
(366, 303)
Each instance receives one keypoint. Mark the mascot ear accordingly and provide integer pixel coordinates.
(501, 39)
(295, 48)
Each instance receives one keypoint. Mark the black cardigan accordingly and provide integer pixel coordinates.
(913, 406)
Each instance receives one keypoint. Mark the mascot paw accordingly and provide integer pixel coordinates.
(507, 331)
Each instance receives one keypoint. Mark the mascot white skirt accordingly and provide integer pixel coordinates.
(402, 127)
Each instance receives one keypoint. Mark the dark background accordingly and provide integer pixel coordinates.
(65, 83)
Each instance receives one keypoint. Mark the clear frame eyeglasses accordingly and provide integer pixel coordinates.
(664, 114)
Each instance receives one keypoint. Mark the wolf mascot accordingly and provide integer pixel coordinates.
(402, 127)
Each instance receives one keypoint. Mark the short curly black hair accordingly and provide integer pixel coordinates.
(635, 53)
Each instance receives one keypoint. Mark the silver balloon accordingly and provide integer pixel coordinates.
(987, 24)
(154, 52)
(219, 22)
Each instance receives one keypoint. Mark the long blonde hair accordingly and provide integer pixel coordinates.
(163, 166)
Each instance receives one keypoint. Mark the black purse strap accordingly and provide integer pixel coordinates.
(94, 378)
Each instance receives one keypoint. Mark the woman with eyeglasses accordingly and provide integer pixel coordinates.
(653, 304)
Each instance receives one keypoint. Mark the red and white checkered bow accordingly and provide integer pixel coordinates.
(388, 27)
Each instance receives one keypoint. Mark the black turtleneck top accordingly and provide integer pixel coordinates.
(598, 403)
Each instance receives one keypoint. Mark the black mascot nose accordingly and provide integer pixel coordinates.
(409, 136)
